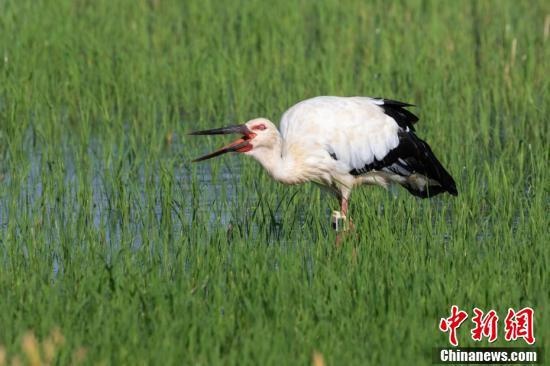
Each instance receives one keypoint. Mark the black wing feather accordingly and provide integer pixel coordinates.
(395, 109)
(411, 156)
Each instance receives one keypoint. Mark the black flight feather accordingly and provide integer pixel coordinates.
(411, 156)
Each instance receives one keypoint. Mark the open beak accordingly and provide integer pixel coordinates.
(239, 145)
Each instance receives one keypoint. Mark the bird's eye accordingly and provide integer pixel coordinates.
(260, 127)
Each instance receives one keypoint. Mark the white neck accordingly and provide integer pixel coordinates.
(281, 168)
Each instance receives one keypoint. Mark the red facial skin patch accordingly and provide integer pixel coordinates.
(259, 127)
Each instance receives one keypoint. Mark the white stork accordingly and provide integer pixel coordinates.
(341, 143)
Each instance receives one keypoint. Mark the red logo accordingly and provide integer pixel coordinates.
(519, 325)
(486, 326)
(452, 323)
(516, 325)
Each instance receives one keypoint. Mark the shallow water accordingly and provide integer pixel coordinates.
(209, 189)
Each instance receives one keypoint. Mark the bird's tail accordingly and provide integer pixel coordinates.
(424, 175)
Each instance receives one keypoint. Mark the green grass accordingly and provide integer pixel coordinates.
(110, 234)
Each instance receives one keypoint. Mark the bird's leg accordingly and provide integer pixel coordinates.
(339, 218)
(348, 222)
(340, 221)
(344, 206)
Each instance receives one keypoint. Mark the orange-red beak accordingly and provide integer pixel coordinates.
(239, 145)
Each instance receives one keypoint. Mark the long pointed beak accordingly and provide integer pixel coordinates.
(240, 145)
(242, 129)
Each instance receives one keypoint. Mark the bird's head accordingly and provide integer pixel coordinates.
(256, 134)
